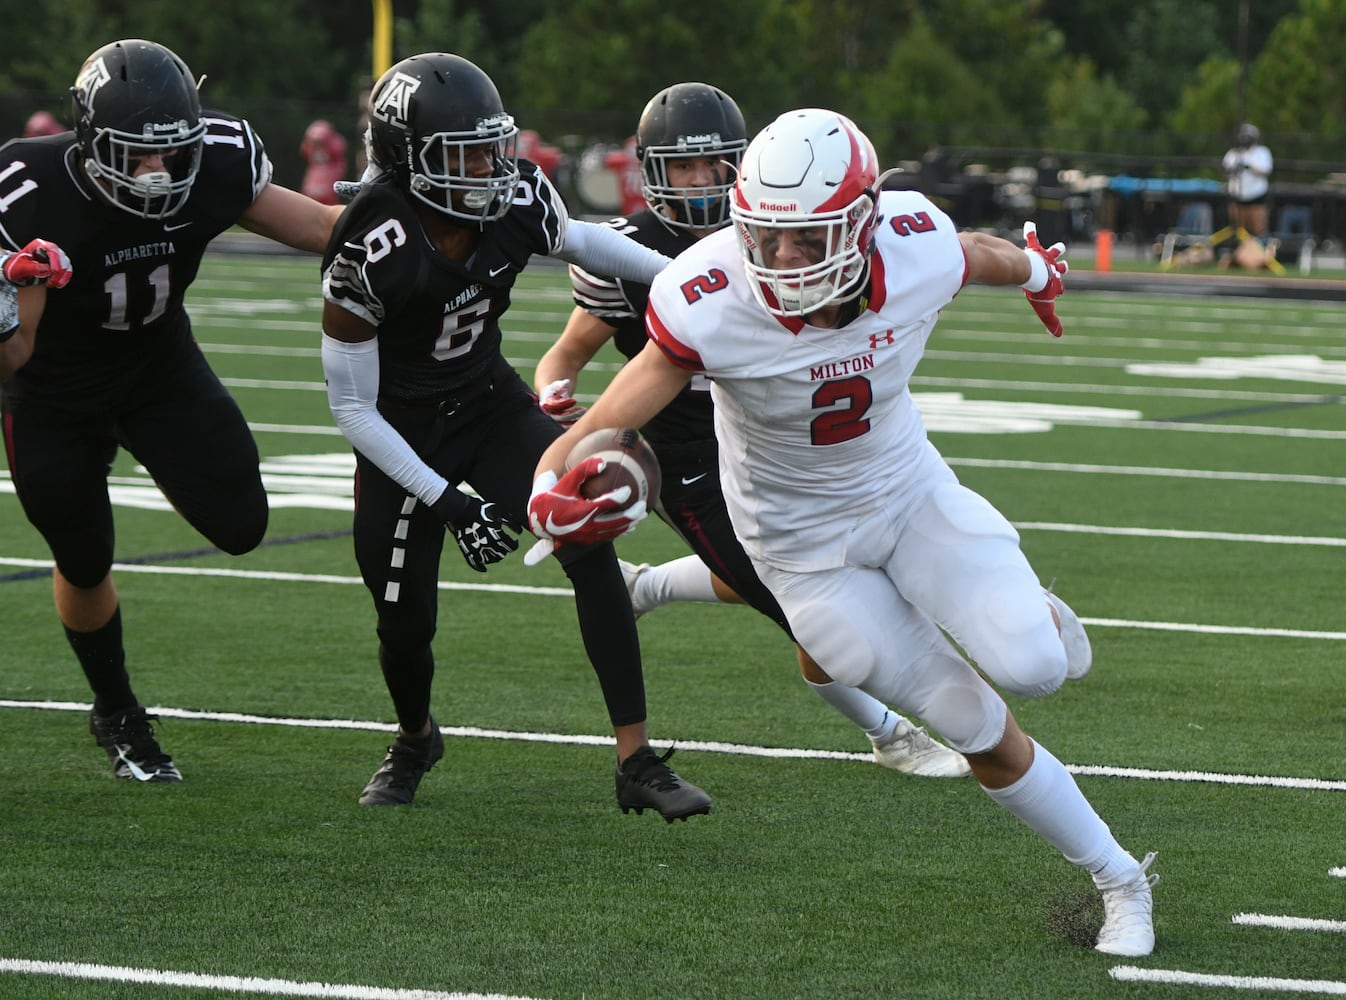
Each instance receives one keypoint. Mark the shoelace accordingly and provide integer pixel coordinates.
(135, 732)
(403, 758)
(652, 769)
(1123, 922)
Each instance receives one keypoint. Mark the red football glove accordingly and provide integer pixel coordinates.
(40, 261)
(1043, 300)
(559, 404)
(559, 514)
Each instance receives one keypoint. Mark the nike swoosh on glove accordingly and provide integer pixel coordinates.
(41, 261)
(1045, 282)
(560, 514)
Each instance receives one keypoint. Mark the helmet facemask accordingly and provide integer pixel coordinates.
(692, 208)
(113, 157)
(836, 243)
(442, 170)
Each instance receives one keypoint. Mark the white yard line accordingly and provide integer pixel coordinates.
(231, 984)
(703, 746)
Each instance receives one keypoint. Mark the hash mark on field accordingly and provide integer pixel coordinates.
(1337, 872)
(1175, 977)
(1285, 923)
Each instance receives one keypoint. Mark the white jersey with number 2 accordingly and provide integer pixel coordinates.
(817, 427)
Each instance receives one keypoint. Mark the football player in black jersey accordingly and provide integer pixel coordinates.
(689, 141)
(133, 195)
(415, 282)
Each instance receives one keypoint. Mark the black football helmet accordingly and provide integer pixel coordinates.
(1247, 135)
(135, 100)
(690, 119)
(438, 126)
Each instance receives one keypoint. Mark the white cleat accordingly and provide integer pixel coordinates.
(1079, 654)
(911, 750)
(632, 573)
(1128, 923)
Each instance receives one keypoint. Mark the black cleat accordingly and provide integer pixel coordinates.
(396, 780)
(645, 780)
(128, 739)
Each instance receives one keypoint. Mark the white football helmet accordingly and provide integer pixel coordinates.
(808, 170)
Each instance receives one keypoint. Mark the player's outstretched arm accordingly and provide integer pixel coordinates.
(1038, 270)
(291, 218)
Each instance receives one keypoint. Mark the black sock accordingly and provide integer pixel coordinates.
(408, 676)
(103, 659)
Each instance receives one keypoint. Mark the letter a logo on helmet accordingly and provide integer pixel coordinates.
(94, 76)
(394, 103)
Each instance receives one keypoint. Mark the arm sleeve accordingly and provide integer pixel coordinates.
(601, 250)
(352, 372)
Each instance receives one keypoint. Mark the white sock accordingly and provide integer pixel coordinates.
(867, 712)
(1049, 802)
(685, 579)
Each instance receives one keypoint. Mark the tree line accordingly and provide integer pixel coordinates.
(1142, 78)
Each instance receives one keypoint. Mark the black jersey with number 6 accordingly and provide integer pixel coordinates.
(125, 300)
(438, 319)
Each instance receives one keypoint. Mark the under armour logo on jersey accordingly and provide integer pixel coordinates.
(91, 79)
(394, 103)
(885, 338)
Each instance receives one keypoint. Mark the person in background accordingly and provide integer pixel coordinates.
(134, 195)
(324, 150)
(625, 165)
(689, 140)
(810, 313)
(42, 123)
(1247, 165)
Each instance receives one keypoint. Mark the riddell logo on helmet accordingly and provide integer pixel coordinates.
(778, 206)
(154, 129)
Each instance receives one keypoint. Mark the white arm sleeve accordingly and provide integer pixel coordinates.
(602, 250)
(352, 372)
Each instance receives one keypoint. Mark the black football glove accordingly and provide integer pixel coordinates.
(478, 527)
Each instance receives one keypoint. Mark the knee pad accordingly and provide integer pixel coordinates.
(84, 567)
(948, 695)
(849, 656)
(1020, 648)
(83, 557)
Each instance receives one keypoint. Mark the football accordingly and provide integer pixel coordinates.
(630, 462)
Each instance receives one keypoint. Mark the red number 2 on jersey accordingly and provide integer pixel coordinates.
(905, 225)
(704, 284)
(835, 426)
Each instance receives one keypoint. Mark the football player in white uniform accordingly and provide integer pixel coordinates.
(689, 140)
(810, 313)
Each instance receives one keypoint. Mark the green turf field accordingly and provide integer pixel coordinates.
(1175, 464)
